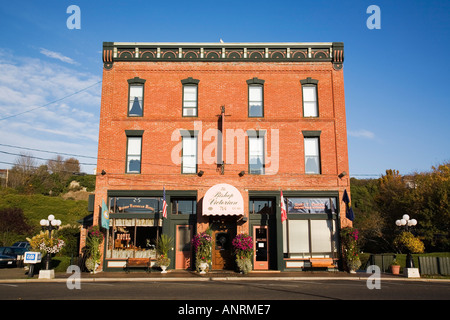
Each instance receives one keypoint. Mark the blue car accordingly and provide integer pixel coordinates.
(22, 244)
(7, 257)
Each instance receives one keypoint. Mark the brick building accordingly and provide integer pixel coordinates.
(220, 129)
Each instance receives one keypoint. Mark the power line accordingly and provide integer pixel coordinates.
(30, 156)
(52, 102)
(143, 163)
(46, 151)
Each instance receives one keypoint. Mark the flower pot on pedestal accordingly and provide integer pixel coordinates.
(203, 266)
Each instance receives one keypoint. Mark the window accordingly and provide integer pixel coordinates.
(189, 154)
(310, 232)
(190, 97)
(310, 238)
(255, 97)
(134, 151)
(256, 153)
(309, 93)
(184, 205)
(312, 152)
(136, 97)
(132, 238)
(261, 206)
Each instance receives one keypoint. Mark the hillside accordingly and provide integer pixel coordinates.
(38, 206)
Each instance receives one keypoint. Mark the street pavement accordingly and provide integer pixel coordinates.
(20, 275)
(264, 288)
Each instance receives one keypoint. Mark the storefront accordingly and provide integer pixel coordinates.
(136, 222)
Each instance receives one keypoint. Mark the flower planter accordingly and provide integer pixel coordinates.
(203, 266)
(395, 269)
(163, 268)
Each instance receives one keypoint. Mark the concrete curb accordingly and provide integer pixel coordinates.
(206, 279)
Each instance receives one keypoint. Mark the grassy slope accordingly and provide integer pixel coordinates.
(37, 207)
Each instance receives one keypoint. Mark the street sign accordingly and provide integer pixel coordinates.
(32, 257)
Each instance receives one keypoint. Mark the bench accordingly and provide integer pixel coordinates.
(138, 263)
(322, 263)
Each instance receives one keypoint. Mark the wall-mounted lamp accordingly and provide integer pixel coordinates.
(200, 173)
(241, 174)
(242, 219)
(103, 172)
(342, 174)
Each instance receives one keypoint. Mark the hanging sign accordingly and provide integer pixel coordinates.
(223, 200)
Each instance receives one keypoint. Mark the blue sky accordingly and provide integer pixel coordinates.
(396, 77)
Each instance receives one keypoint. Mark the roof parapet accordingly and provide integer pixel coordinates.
(224, 52)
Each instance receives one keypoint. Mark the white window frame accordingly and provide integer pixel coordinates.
(256, 150)
(189, 152)
(312, 153)
(134, 152)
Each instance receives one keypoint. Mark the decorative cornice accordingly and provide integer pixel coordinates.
(224, 52)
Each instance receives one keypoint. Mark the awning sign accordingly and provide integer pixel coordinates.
(223, 200)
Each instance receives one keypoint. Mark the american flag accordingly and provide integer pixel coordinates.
(164, 203)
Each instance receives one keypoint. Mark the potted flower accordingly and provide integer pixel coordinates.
(395, 267)
(202, 244)
(93, 242)
(349, 239)
(243, 249)
(163, 246)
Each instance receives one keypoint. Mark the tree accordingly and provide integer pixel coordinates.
(423, 196)
(21, 173)
(13, 225)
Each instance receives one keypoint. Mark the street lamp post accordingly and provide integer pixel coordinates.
(50, 224)
(406, 223)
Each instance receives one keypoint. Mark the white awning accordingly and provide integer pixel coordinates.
(223, 200)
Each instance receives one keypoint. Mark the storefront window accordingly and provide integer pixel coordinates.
(184, 206)
(306, 235)
(308, 238)
(133, 238)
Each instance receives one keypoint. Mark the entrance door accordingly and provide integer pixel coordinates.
(222, 255)
(183, 248)
(261, 247)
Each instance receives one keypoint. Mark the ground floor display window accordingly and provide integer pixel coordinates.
(132, 238)
(310, 230)
(309, 238)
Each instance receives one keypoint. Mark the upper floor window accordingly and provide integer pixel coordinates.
(190, 97)
(134, 151)
(255, 97)
(312, 152)
(256, 158)
(309, 93)
(189, 153)
(136, 97)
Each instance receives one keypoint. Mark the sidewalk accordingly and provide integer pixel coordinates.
(20, 275)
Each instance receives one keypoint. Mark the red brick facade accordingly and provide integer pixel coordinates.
(222, 84)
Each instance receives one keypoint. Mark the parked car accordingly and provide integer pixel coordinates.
(7, 258)
(22, 244)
